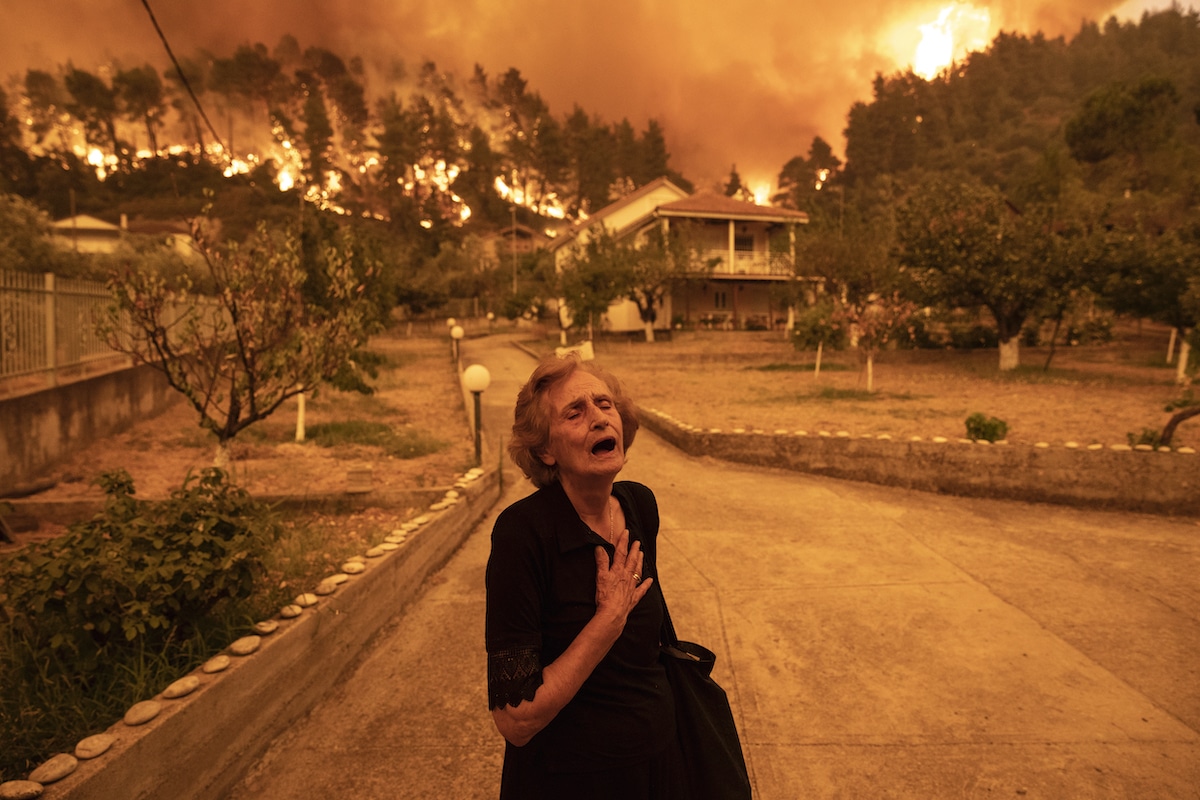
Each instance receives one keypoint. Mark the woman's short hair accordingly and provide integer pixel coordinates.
(531, 418)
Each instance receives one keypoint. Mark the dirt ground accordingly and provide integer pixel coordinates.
(417, 391)
(1094, 394)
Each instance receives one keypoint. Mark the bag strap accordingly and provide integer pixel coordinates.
(667, 635)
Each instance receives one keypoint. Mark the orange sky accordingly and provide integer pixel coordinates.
(749, 82)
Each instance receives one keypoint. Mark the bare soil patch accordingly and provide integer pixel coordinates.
(417, 397)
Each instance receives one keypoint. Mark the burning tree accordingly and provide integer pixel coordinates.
(238, 356)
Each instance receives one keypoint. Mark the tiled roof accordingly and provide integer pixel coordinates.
(86, 223)
(711, 204)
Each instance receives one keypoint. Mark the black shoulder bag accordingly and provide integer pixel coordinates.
(708, 737)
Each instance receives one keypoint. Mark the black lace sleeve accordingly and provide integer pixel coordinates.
(513, 675)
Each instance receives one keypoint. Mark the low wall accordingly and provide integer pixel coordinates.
(36, 430)
(200, 745)
(1115, 477)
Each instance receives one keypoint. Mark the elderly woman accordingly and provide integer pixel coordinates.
(573, 611)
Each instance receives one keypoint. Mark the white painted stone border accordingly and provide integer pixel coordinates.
(1115, 476)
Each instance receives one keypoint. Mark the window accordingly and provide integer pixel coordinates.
(720, 300)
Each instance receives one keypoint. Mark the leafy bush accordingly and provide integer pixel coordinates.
(973, 337)
(139, 573)
(396, 442)
(1150, 436)
(988, 429)
(119, 607)
(815, 325)
(1097, 330)
(919, 334)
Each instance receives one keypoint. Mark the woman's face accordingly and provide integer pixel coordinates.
(586, 436)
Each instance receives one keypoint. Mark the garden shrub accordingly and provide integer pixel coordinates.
(919, 334)
(814, 325)
(1097, 330)
(139, 573)
(1150, 436)
(973, 337)
(988, 429)
(118, 607)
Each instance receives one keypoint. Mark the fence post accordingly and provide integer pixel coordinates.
(51, 331)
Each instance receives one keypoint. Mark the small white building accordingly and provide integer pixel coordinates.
(84, 233)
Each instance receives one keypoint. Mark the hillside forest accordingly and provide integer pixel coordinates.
(1033, 181)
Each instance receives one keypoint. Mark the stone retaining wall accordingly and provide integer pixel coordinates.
(38, 429)
(1115, 477)
(199, 745)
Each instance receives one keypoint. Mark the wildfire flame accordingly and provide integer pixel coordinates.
(959, 29)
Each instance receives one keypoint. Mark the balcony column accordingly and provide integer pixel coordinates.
(732, 260)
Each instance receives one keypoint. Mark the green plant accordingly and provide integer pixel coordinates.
(138, 572)
(814, 325)
(973, 337)
(399, 443)
(1150, 436)
(111, 612)
(988, 429)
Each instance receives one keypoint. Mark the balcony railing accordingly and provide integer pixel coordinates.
(750, 263)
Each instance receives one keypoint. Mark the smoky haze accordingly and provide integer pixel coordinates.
(749, 83)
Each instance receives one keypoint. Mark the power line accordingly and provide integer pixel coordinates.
(186, 84)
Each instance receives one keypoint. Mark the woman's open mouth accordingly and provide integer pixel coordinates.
(606, 445)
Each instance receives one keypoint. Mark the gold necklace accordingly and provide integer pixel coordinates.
(611, 532)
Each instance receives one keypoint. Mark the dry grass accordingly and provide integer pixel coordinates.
(417, 397)
(1095, 394)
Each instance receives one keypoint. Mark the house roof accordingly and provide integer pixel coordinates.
(618, 206)
(711, 205)
(85, 223)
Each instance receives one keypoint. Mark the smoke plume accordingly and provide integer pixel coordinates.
(745, 83)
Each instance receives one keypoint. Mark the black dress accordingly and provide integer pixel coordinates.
(615, 738)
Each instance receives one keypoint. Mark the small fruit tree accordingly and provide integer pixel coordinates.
(238, 356)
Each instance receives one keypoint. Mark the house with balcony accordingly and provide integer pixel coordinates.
(746, 257)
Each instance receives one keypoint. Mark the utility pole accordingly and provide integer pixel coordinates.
(512, 236)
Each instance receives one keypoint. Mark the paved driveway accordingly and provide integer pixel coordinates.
(876, 643)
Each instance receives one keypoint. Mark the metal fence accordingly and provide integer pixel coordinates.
(48, 325)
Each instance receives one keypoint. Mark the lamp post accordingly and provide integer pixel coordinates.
(456, 333)
(476, 378)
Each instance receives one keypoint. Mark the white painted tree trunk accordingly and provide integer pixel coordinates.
(817, 369)
(1010, 354)
(1185, 353)
(224, 457)
(870, 373)
(1171, 346)
(791, 323)
(300, 427)
(649, 328)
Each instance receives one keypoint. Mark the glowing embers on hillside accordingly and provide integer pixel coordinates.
(547, 206)
(959, 29)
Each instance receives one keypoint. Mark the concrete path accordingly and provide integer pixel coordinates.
(875, 643)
